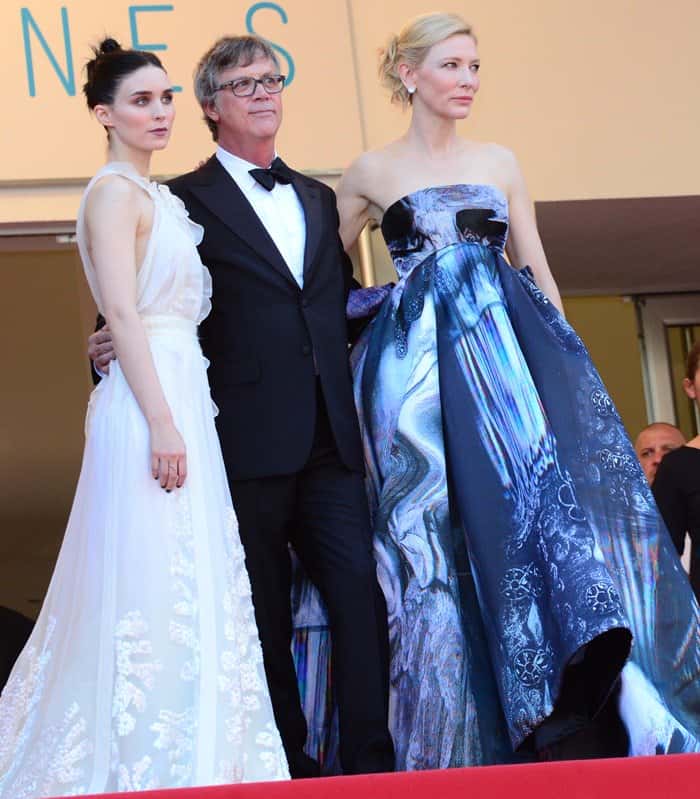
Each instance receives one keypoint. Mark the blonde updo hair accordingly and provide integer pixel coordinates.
(411, 45)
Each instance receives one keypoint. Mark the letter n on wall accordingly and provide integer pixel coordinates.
(30, 25)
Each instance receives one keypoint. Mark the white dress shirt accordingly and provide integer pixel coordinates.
(279, 210)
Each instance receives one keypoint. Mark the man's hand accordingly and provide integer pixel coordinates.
(101, 349)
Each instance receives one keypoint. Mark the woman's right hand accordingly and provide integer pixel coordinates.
(168, 456)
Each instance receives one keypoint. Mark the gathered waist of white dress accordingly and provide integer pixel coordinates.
(166, 323)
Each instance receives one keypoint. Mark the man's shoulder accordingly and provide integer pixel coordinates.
(202, 174)
(681, 457)
(179, 185)
(312, 182)
(675, 469)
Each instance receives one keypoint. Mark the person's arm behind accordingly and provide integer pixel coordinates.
(113, 213)
(100, 350)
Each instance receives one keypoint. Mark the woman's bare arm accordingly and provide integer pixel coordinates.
(353, 205)
(524, 245)
(113, 213)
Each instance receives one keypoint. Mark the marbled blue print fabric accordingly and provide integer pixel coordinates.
(514, 530)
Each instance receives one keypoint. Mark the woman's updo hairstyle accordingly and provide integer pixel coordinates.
(108, 68)
(693, 363)
(411, 45)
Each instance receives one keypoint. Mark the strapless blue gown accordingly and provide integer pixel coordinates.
(515, 534)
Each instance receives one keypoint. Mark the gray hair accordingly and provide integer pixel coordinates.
(227, 52)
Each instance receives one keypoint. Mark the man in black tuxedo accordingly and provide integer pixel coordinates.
(277, 342)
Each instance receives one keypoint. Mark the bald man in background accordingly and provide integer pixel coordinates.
(653, 443)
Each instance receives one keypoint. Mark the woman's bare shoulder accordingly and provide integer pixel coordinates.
(498, 162)
(115, 203)
(496, 155)
(113, 192)
(368, 163)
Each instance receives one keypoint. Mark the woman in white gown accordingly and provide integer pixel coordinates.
(144, 669)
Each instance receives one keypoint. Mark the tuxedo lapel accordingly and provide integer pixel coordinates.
(310, 197)
(217, 190)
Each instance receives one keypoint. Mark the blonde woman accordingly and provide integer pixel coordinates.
(517, 540)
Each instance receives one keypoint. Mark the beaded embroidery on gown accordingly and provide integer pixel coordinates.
(144, 669)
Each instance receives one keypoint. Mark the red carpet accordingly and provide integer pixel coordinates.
(669, 777)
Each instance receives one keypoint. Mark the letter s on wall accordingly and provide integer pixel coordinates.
(252, 11)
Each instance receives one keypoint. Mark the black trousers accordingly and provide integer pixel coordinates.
(322, 510)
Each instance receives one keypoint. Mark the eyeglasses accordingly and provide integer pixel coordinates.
(245, 87)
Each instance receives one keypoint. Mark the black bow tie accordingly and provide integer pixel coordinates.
(277, 172)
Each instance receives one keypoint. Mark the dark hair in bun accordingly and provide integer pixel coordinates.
(108, 68)
(109, 46)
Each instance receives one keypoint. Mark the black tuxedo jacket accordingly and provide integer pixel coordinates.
(266, 338)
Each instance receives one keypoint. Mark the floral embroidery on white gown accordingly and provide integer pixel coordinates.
(145, 669)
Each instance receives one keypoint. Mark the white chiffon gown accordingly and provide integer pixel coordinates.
(145, 669)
